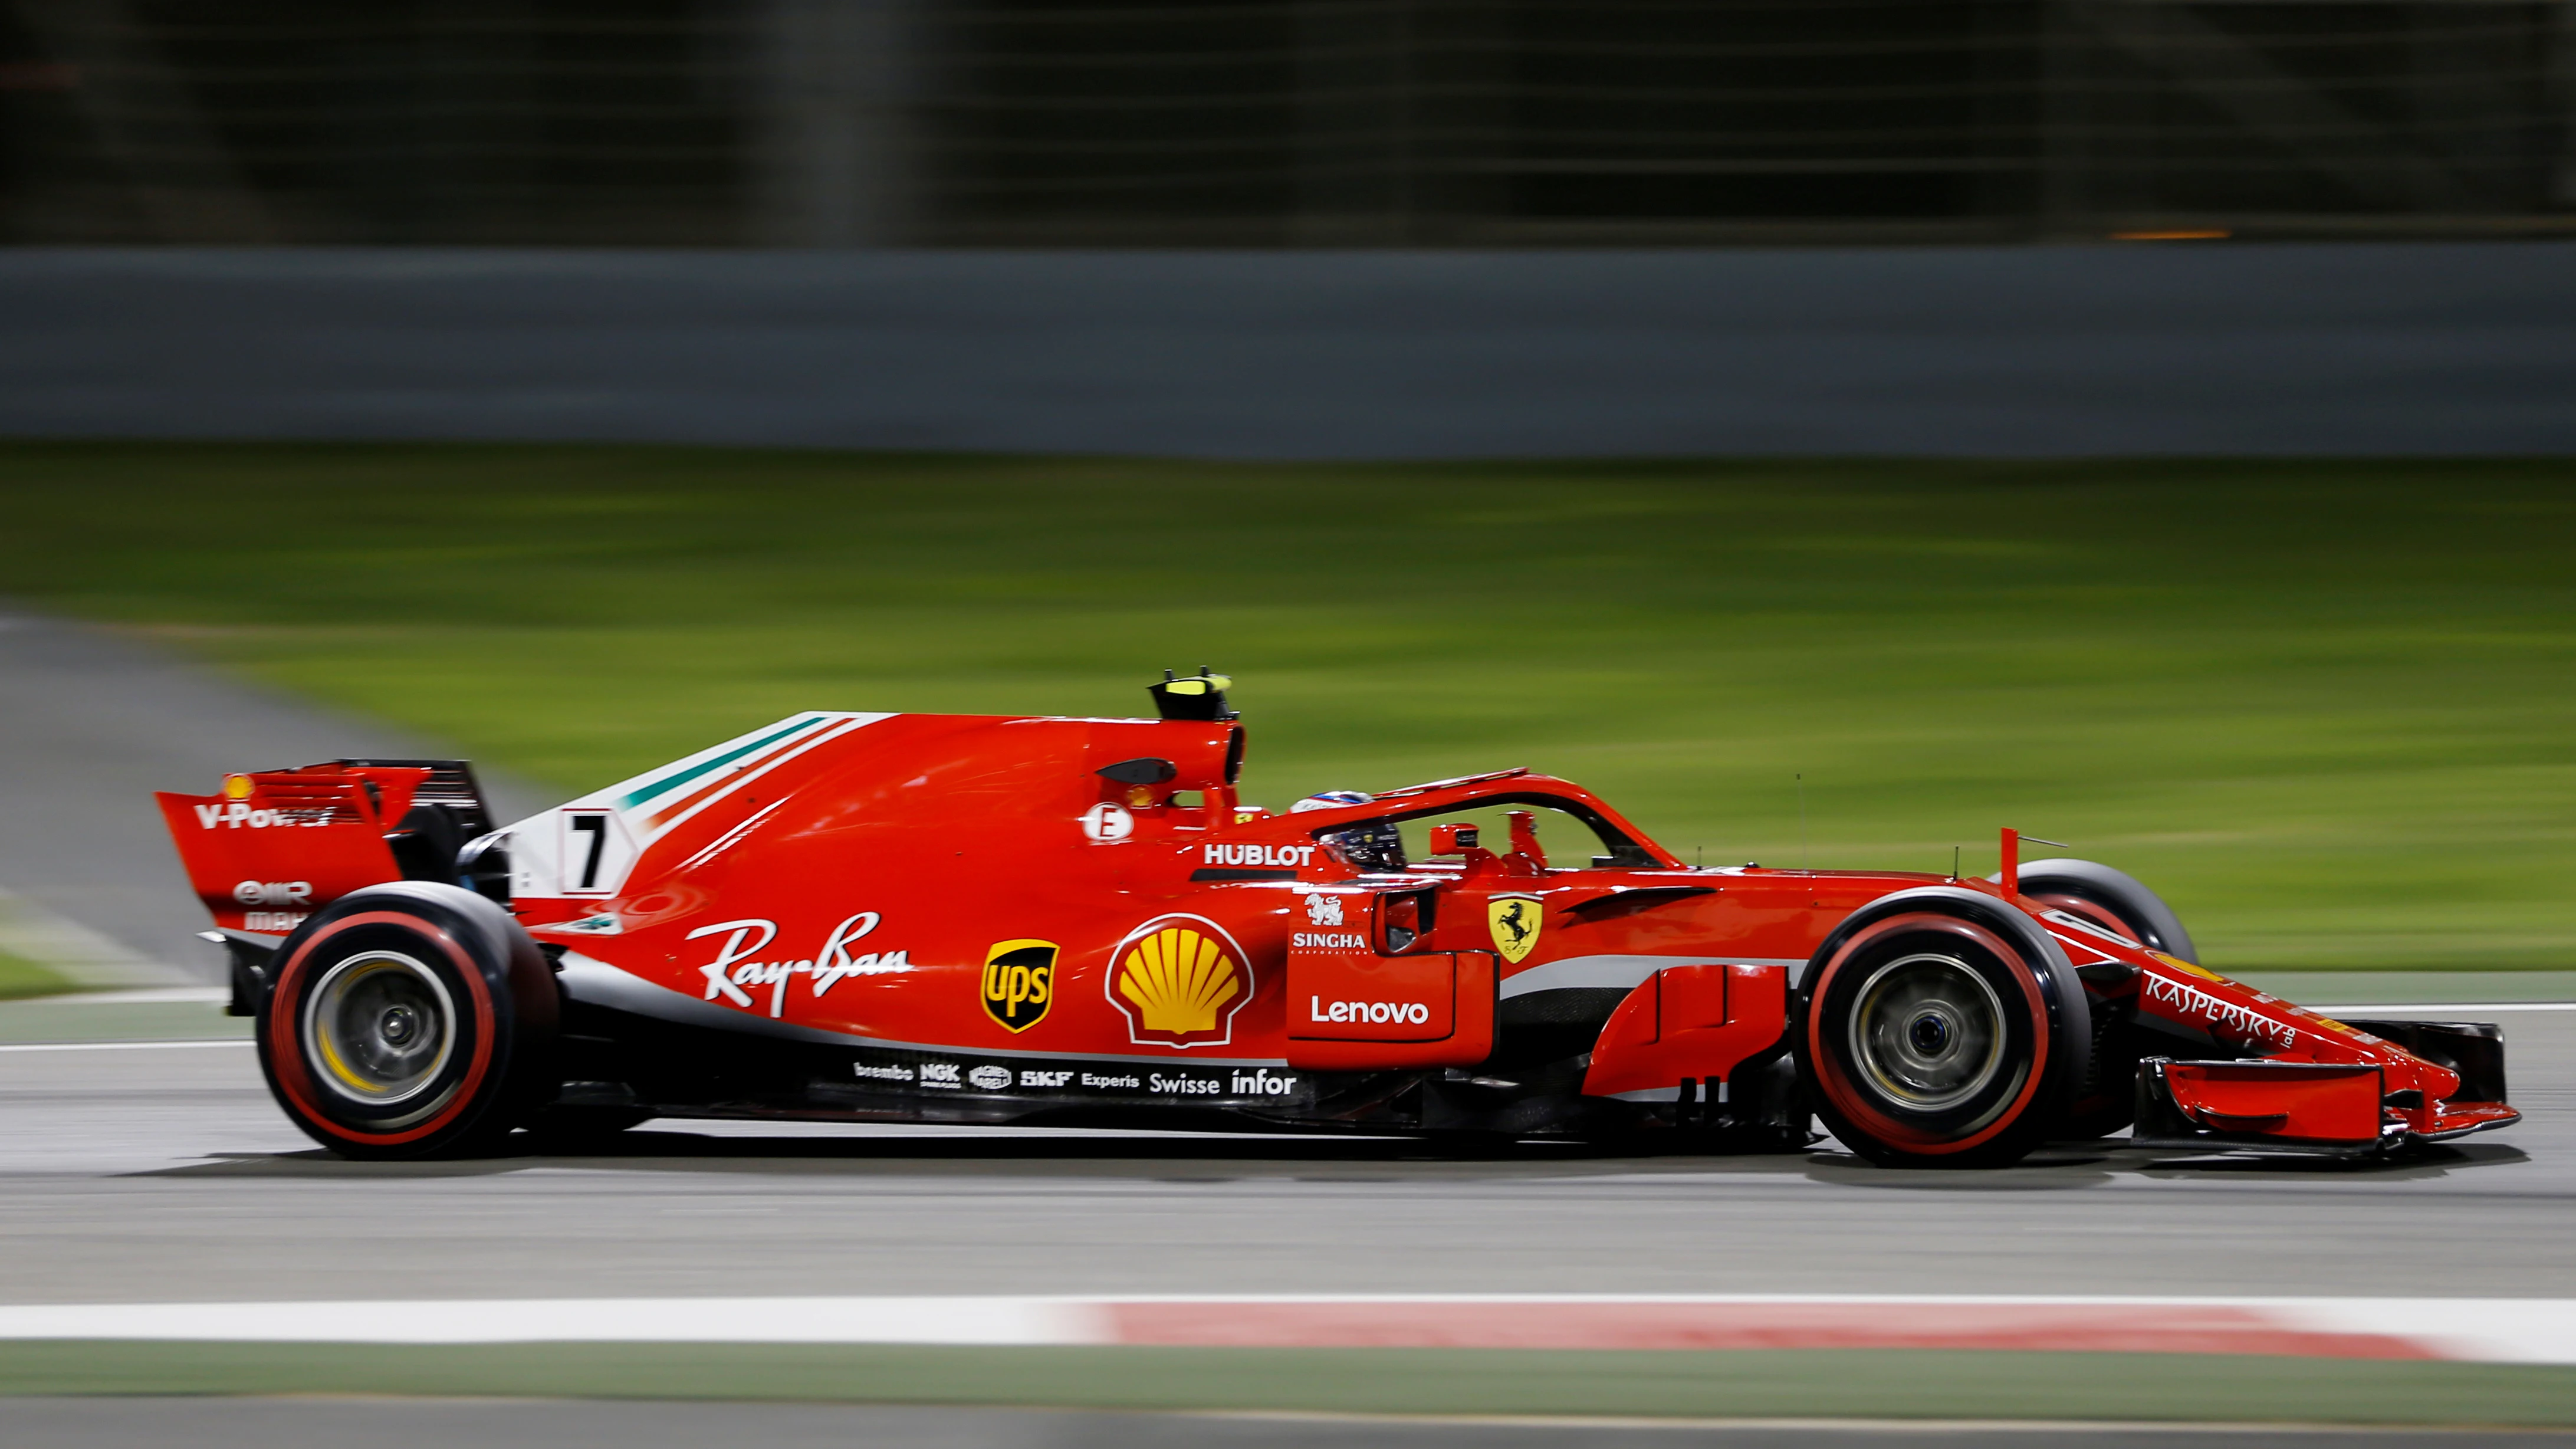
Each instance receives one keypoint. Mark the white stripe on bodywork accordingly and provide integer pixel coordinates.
(752, 770)
(534, 843)
(1620, 972)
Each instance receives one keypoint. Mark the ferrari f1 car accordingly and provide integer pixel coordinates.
(1005, 919)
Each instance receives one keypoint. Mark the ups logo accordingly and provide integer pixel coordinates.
(1019, 982)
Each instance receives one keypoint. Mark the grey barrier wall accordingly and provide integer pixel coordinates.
(2312, 349)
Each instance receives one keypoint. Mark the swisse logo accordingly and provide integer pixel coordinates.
(239, 816)
(989, 1079)
(1298, 855)
(1328, 940)
(1380, 1013)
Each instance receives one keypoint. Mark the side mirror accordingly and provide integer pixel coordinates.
(1452, 839)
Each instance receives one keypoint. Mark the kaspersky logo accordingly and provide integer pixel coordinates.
(1019, 982)
(1179, 980)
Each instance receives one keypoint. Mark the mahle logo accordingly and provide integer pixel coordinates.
(1019, 982)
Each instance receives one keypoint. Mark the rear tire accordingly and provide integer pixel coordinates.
(1926, 1040)
(409, 1020)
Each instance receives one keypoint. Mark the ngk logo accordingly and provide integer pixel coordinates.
(274, 893)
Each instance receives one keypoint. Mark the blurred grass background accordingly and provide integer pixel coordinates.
(2328, 708)
(20, 977)
(1626, 1383)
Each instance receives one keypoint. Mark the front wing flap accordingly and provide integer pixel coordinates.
(2333, 1109)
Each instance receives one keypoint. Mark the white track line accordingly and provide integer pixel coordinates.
(2539, 1330)
(123, 1046)
(136, 996)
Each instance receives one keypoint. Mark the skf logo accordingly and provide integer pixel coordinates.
(1515, 921)
(1179, 980)
(1019, 982)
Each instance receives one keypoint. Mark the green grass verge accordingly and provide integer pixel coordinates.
(1846, 1383)
(2328, 708)
(20, 977)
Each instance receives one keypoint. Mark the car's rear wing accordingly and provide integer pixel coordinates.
(273, 846)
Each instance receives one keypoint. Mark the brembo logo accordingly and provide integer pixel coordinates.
(1386, 1013)
(733, 969)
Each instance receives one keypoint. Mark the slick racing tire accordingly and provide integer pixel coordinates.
(2094, 892)
(2115, 901)
(1928, 1040)
(412, 1019)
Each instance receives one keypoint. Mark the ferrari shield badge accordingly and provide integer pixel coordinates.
(1515, 921)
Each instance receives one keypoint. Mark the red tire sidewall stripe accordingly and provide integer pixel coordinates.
(1849, 1101)
(286, 1038)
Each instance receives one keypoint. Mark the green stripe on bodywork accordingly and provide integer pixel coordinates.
(666, 786)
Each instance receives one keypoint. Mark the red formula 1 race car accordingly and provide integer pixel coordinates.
(957, 918)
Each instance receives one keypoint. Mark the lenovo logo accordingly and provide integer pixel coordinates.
(1375, 1012)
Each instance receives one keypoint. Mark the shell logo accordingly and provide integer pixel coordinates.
(1179, 980)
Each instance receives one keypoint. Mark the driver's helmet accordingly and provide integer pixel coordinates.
(1376, 848)
(1330, 800)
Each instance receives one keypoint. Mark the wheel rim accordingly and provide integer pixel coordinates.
(381, 1026)
(1928, 1033)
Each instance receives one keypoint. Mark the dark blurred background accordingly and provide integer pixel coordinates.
(1240, 123)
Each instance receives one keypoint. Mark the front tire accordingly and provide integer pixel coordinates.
(1927, 1040)
(2118, 902)
(411, 1019)
(2111, 898)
